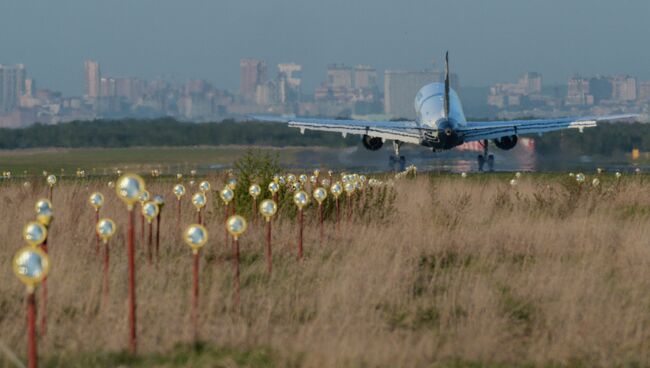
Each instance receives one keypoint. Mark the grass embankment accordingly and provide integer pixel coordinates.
(453, 271)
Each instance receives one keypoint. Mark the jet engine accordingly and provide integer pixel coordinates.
(506, 143)
(372, 143)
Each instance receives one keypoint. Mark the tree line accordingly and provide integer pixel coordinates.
(605, 139)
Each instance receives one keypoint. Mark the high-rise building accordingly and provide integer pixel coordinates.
(624, 88)
(252, 74)
(92, 76)
(12, 86)
(400, 88)
(339, 76)
(365, 77)
(578, 92)
(289, 82)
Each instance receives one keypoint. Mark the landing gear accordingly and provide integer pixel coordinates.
(482, 158)
(397, 159)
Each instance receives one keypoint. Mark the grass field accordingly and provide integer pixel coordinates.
(453, 273)
(101, 161)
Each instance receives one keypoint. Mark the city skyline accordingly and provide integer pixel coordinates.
(203, 40)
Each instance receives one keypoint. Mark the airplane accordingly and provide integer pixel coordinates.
(440, 124)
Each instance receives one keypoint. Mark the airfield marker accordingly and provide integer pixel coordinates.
(96, 200)
(144, 197)
(301, 199)
(150, 211)
(236, 225)
(129, 188)
(274, 188)
(195, 237)
(105, 229)
(336, 191)
(268, 208)
(44, 215)
(199, 200)
(51, 181)
(31, 266)
(179, 192)
(160, 201)
(320, 194)
(254, 190)
(227, 195)
(349, 191)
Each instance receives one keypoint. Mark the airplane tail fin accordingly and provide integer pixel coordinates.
(447, 84)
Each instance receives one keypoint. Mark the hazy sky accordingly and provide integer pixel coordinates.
(489, 40)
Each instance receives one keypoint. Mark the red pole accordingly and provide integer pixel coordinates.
(199, 217)
(225, 229)
(132, 303)
(44, 297)
(158, 236)
(320, 220)
(150, 243)
(106, 266)
(349, 203)
(254, 213)
(195, 296)
(96, 235)
(235, 250)
(49, 196)
(338, 214)
(178, 213)
(300, 224)
(269, 256)
(142, 228)
(32, 355)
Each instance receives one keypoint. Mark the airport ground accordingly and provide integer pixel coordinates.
(439, 271)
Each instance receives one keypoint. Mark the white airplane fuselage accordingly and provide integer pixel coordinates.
(430, 112)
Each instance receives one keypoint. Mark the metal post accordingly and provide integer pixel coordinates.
(320, 221)
(158, 236)
(32, 355)
(132, 303)
(106, 267)
(195, 296)
(96, 235)
(44, 297)
(178, 213)
(269, 256)
(300, 224)
(150, 243)
(235, 249)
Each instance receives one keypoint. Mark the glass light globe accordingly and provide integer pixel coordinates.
(349, 188)
(463, 175)
(320, 194)
(618, 175)
(518, 175)
(179, 191)
(236, 226)
(513, 182)
(282, 180)
(291, 178)
(254, 190)
(268, 208)
(193, 172)
(31, 265)
(301, 199)
(313, 179)
(105, 228)
(232, 183)
(150, 210)
(96, 200)
(296, 186)
(204, 186)
(144, 196)
(179, 176)
(227, 194)
(159, 200)
(129, 189)
(51, 180)
(336, 189)
(44, 212)
(580, 177)
(34, 233)
(595, 182)
(195, 236)
(199, 200)
(273, 187)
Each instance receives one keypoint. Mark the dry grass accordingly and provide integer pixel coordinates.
(464, 271)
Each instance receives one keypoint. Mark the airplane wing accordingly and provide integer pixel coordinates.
(476, 131)
(405, 131)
